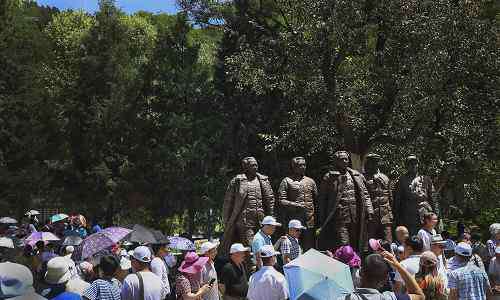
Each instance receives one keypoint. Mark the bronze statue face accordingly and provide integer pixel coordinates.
(371, 165)
(250, 166)
(412, 166)
(299, 166)
(341, 160)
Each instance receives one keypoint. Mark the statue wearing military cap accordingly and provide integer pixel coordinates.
(414, 196)
(378, 185)
(344, 206)
(249, 197)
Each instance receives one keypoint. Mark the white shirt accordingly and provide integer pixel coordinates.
(159, 268)
(208, 273)
(267, 284)
(411, 264)
(426, 237)
(153, 287)
(442, 269)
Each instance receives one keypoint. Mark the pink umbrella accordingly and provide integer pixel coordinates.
(41, 236)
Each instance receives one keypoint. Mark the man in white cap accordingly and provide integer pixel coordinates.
(59, 280)
(16, 282)
(263, 237)
(234, 275)
(208, 273)
(467, 281)
(290, 247)
(267, 283)
(142, 284)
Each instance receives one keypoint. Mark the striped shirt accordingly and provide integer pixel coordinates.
(102, 290)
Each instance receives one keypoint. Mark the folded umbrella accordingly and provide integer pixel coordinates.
(180, 243)
(6, 242)
(315, 276)
(8, 220)
(58, 217)
(141, 235)
(101, 240)
(41, 236)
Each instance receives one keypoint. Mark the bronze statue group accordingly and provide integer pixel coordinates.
(348, 208)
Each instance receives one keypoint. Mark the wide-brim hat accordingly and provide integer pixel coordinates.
(15, 280)
(437, 239)
(193, 263)
(58, 271)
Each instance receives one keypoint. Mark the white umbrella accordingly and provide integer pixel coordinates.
(8, 220)
(32, 213)
(6, 243)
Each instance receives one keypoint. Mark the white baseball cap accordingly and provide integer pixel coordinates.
(268, 251)
(142, 254)
(235, 248)
(207, 246)
(296, 224)
(463, 249)
(270, 220)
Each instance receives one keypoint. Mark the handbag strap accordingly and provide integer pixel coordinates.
(141, 285)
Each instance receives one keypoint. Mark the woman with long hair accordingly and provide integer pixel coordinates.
(430, 281)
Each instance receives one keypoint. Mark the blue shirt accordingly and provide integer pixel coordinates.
(67, 296)
(470, 282)
(259, 240)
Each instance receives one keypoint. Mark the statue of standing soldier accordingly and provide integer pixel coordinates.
(413, 197)
(297, 197)
(345, 206)
(249, 197)
(378, 185)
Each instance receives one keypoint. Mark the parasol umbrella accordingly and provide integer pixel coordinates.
(41, 236)
(180, 243)
(160, 237)
(72, 240)
(58, 217)
(8, 220)
(141, 235)
(315, 276)
(102, 240)
(6, 242)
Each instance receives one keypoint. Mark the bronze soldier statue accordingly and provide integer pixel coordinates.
(413, 197)
(378, 185)
(345, 206)
(297, 197)
(249, 197)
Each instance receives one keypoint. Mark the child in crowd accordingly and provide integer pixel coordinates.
(450, 245)
(427, 231)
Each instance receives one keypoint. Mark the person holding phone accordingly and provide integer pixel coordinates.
(188, 281)
(208, 273)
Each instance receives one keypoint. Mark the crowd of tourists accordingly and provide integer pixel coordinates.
(429, 265)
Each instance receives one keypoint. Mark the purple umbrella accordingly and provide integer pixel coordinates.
(41, 236)
(101, 240)
(180, 243)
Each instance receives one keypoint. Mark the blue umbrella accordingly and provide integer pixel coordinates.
(58, 217)
(316, 276)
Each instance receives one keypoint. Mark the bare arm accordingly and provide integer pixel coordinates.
(414, 290)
